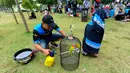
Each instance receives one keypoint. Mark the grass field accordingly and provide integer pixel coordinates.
(114, 54)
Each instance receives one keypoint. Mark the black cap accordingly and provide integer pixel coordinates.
(48, 19)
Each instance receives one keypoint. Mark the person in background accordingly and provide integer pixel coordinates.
(86, 4)
(119, 11)
(46, 12)
(60, 7)
(54, 8)
(107, 10)
(80, 8)
(74, 7)
(127, 17)
(69, 7)
(120, 16)
(96, 4)
(128, 5)
(92, 9)
(49, 8)
(66, 8)
(112, 5)
(33, 16)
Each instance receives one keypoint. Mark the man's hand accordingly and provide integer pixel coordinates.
(46, 51)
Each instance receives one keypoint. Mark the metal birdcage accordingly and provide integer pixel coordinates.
(70, 48)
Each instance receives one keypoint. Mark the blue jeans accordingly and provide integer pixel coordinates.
(54, 37)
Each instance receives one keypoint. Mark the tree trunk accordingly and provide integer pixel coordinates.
(14, 16)
(23, 18)
(89, 11)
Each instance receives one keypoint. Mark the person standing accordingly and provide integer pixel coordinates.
(86, 4)
(74, 7)
(49, 8)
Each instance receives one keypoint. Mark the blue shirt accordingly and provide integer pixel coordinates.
(40, 33)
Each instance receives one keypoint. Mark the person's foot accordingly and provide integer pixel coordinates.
(55, 45)
(95, 55)
(92, 55)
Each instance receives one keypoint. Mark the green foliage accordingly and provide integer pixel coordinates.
(80, 1)
(29, 4)
(7, 3)
(26, 4)
(41, 1)
(51, 2)
(106, 1)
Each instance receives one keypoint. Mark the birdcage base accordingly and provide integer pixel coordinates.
(70, 63)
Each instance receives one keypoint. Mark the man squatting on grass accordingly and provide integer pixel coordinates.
(42, 34)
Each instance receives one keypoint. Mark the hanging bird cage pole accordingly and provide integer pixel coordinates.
(71, 28)
(71, 32)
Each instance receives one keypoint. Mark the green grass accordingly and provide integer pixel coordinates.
(114, 53)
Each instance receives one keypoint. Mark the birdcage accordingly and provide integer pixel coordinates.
(70, 53)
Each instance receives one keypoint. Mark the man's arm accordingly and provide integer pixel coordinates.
(63, 33)
(43, 50)
(36, 40)
(60, 31)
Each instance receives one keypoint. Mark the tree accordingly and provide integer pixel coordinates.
(23, 18)
(106, 1)
(26, 4)
(41, 1)
(9, 4)
(50, 2)
(80, 1)
(29, 4)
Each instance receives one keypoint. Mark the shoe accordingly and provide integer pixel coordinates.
(54, 45)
